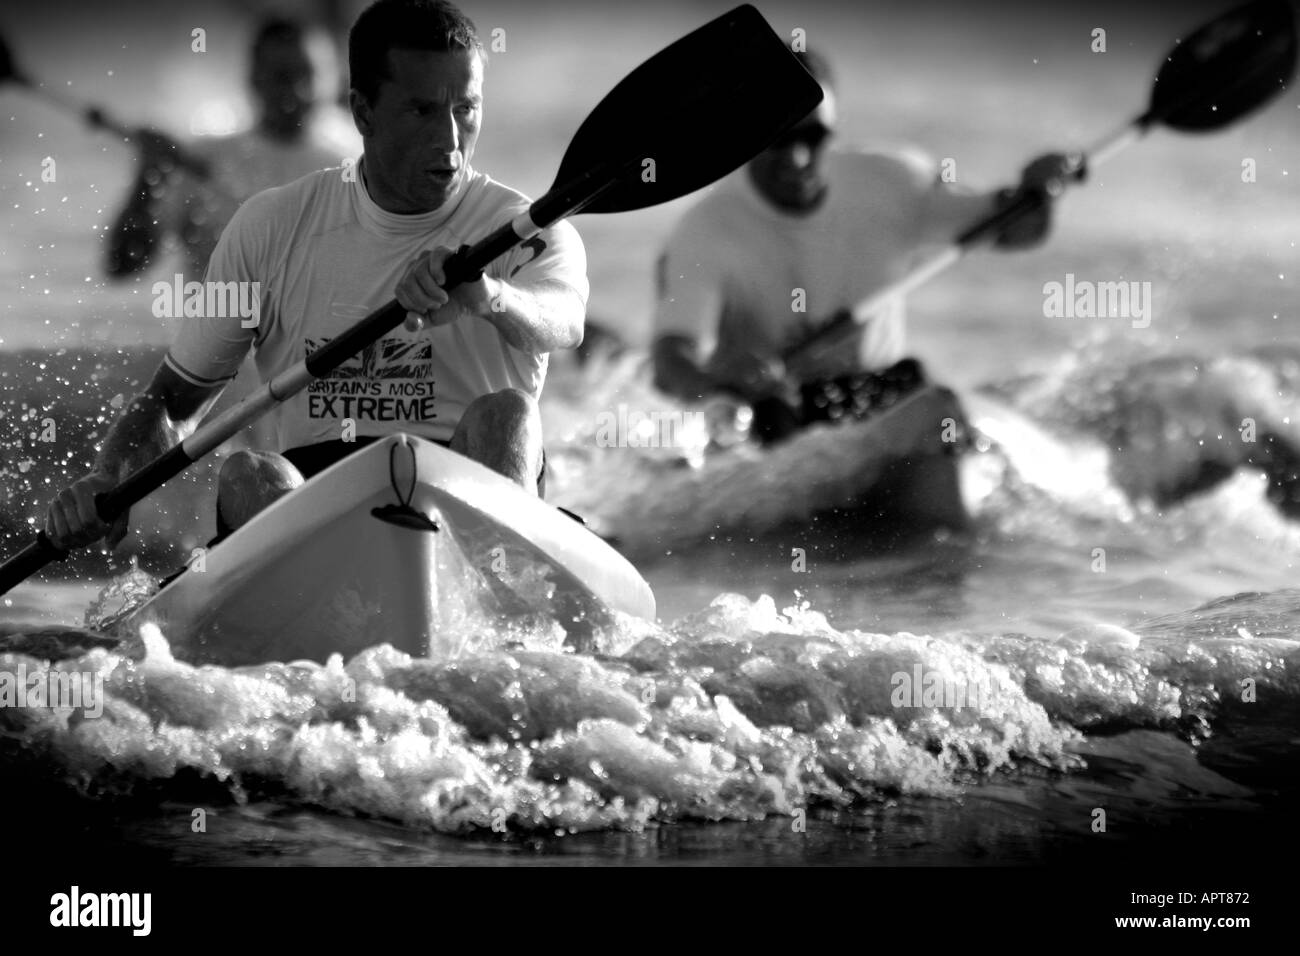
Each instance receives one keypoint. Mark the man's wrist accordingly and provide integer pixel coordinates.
(1006, 196)
(489, 298)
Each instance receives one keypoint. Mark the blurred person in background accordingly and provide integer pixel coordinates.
(292, 75)
(837, 224)
(284, 144)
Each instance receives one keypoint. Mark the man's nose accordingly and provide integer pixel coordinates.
(445, 132)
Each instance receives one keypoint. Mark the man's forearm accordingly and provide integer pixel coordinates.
(538, 318)
(141, 434)
(685, 381)
(677, 374)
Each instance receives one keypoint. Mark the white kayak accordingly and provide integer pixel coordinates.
(839, 487)
(403, 542)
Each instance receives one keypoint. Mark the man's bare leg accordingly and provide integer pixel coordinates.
(504, 432)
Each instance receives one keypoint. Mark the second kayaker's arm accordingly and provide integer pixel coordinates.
(680, 371)
(950, 208)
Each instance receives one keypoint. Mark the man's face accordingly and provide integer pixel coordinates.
(421, 128)
(791, 172)
(283, 83)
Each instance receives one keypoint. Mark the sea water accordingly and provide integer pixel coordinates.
(1130, 630)
(959, 677)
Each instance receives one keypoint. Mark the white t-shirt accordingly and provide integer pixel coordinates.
(326, 256)
(742, 276)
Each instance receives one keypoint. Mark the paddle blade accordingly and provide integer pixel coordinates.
(1227, 68)
(692, 113)
(8, 68)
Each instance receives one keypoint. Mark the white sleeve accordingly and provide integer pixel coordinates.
(556, 253)
(910, 182)
(216, 335)
(942, 209)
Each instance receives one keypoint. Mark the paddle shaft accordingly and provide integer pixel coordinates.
(99, 119)
(828, 338)
(831, 337)
(557, 204)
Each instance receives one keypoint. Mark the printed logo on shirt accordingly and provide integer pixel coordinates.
(390, 381)
(537, 246)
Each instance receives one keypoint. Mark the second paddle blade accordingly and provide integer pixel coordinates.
(1227, 68)
(692, 113)
(8, 66)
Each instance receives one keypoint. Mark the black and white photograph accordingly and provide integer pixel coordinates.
(442, 436)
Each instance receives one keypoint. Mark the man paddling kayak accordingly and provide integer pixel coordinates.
(791, 243)
(467, 369)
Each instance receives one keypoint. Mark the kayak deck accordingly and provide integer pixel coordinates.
(403, 542)
(848, 487)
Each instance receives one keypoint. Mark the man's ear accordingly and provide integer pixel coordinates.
(362, 115)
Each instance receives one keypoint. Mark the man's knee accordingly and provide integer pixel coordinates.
(503, 430)
(508, 409)
(505, 417)
(248, 482)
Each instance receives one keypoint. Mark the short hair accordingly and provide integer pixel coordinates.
(433, 25)
(276, 30)
(818, 67)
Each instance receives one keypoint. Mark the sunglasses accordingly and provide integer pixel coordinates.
(811, 135)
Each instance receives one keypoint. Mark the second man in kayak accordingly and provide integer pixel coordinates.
(790, 244)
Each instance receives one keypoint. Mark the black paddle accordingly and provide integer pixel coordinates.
(1229, 67)
(690, 114)
(94, 115)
